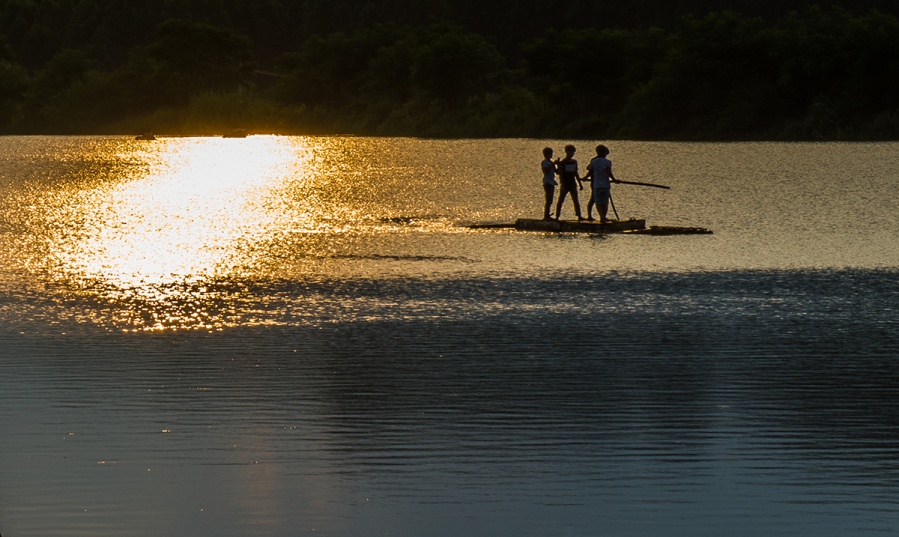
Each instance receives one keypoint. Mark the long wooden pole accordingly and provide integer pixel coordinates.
(641, 184)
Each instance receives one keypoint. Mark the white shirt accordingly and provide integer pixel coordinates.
(600, 166)
(549, 172)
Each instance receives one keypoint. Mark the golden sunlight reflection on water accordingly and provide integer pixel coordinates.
(188, 212)
(171, 234)
(185, 218)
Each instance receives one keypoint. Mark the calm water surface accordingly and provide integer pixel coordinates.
(299, 336)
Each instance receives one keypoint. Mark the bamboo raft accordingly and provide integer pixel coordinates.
(582, 226)
(636, 226)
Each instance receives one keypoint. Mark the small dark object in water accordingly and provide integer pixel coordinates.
(145, 136)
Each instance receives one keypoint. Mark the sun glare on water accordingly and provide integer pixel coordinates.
(187, 216)
(192, 212)
(209, 233)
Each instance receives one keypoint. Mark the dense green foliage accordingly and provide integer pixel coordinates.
(644, 69)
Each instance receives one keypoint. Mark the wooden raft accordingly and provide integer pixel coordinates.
(583, 226)
(634, 226)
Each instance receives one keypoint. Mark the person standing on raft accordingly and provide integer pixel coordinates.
(600, 170)
(549, 181)
(571, 180)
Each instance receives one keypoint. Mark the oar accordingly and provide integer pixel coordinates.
(641, 184)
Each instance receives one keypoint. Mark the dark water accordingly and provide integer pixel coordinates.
(412, 379)
(743, 403)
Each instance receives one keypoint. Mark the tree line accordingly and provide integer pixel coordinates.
(648, 69)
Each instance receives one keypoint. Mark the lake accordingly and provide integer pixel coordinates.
(301, 336)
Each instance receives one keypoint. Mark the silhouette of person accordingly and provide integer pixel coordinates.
(570, 179)
(600, 170)
(549, 181)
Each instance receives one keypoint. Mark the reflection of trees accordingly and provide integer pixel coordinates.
(842, 402)
(671, 374)
(772, 372)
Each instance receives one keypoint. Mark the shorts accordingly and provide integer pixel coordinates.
(602, 195)
(569, 184)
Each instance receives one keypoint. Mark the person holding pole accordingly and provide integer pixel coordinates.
(600, 170)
